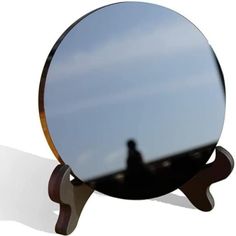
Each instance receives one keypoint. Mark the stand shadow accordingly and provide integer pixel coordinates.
(175, 200)
(24, 190)
(170, 198)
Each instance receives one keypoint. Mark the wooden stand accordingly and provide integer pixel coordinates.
(197, 188)
(72, 195)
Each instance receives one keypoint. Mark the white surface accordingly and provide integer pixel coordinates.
(28, 32)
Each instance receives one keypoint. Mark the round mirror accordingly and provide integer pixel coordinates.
(132, 99)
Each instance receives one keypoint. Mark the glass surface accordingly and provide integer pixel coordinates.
(133, 100)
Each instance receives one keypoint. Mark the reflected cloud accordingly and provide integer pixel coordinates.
(113, 156)
(109, 163)
(132, 94)
(132, 46)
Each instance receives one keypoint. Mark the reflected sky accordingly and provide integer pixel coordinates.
(131, 70)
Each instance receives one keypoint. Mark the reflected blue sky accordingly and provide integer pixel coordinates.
(131, 70)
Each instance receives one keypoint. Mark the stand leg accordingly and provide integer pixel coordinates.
(70, 195)
(197, 188)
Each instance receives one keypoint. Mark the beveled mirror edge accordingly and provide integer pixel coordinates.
(220, 72)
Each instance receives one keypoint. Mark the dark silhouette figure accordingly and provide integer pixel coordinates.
(134, 160)
(136, 170)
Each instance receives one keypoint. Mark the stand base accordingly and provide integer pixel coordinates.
(72, 195)
(197, 188)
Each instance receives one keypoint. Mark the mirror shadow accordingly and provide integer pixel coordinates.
(24, 190)
(142, 180)
(175, 200)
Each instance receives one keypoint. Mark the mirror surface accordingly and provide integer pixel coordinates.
(132, 100)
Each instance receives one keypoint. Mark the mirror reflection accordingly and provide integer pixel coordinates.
(133, 99)
(141, 179)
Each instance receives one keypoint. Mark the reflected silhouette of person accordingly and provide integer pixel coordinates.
(136, 169)
(134, 159)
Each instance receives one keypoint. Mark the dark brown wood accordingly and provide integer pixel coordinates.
(197, 188)
(71, 195)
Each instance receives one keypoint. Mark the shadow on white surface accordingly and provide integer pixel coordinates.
(24, 189)
(170, 198)
(175, 200)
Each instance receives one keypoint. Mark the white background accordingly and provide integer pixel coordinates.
(28, 31)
